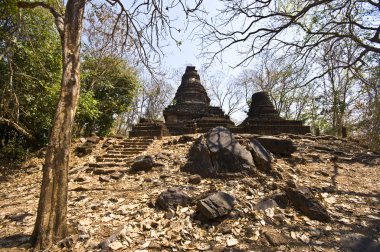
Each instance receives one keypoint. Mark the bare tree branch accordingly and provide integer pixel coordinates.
(57, 16)
(20, 129)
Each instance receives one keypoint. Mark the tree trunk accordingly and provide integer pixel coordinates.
(51, 223)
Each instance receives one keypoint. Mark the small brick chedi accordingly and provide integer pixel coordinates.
(263, 118)
(190, 110)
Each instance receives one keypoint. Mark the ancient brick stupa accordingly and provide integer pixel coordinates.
(191, 111)
(263, 118)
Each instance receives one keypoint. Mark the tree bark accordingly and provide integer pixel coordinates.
(51, 223)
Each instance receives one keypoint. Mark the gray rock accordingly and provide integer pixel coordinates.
(172, 198)
(281, 199)
(83, 150)
(195, 179)
(358, 242)
(261, 156)
(277, 145)
(265, 204)
(104, 178)
(186, 138)
(304, 201)
(216, 205)
(218, 154)
(276, 238)
(117, 175)
(142, 163)
(93, 139)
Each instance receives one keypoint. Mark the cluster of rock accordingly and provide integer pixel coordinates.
(219, 154)
(87, 145)
(190, 112)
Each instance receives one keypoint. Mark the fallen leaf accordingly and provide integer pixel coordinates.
(231, 242)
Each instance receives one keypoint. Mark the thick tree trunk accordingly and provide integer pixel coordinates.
(51, 224)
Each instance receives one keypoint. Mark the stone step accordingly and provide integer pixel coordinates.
(115, 155)
(143, 143)
(134, 143)
(110, 164)
(122, 147)
(146, 127)
(146, 132)
(109, 170)
(124, 152)
(127, 147)
(113, 159)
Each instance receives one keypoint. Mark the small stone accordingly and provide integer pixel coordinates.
(93, 139)
(275, 238)
(116, 245)
(169, 215)
(225, 229)
(216, 205)
(265, 204)
(142, 163)
(154, 245)
(117, 175)
(195, 179)
(148, 180)
(172, 198)
(231, 242)
(79, 179)
(164, 176)
(203, 246)
(104, 178)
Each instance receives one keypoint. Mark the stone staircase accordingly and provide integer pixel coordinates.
(149, 129)
(119, 154)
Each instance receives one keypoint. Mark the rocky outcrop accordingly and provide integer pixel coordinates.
(218, 154)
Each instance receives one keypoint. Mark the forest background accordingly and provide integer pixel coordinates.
(324, 87)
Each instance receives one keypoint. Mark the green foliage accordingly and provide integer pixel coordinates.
(15, 147)
(31, 69)
(108, 88)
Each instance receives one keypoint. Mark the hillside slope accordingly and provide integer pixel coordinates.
(120, 210)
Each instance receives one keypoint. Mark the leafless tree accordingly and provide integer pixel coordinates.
(159, 94)
(292, 27)
(280, 79)
(144, 24)
(224, 92)
(341, 89)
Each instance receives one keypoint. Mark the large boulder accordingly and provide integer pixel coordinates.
(261, 156)
(217, 154)
(216, 205)
(277, 145)
(304, 201)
